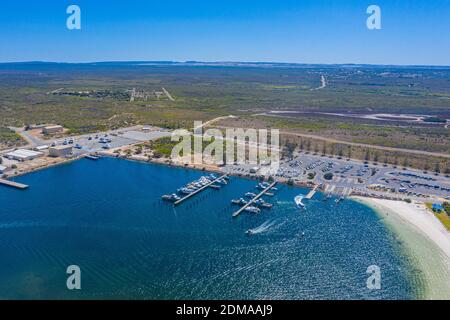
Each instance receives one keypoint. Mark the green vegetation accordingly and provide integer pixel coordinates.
(443, 216)
(162, 147)
(206, 92)
(9, 139)
(328, 176)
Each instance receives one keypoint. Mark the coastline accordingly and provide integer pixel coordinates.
(425, 240)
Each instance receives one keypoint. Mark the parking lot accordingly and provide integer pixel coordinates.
(350, 174)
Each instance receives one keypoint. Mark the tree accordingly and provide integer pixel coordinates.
(375, 157)
(405, 162)
(301, 144)
(367, 156)
(328, 176)
(437, 168)
(395, 161)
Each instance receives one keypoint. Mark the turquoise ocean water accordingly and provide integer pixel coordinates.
(106, 216)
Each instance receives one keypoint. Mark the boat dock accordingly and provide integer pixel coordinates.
(91, 157)
(254, 199)
(312, 192)
(13, 184)
(198, 190)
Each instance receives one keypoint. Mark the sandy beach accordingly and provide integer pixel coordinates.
(424, 238)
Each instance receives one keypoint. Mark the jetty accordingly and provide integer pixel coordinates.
(13, 184)
(91, 157)
(200, 189)
(259, 195)
(312, 192)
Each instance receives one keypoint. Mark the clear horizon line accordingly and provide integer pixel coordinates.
(223, 62)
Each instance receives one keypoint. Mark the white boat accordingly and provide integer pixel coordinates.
(240, 201)
(339, 200)
(249, 232)
(250, 194)
(298, 201)
(186, 190)
(172, 198)
(252, 209)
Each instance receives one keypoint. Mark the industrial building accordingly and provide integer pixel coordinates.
(52, 129)
(60, 151)
(23, 155)
(41, 148)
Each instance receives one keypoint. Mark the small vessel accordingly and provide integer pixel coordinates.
(171, 198)
(214, 186)
(240, 201)
(270, 194)
(339, 199)
(91, 157)
(262, 185)
(250, 195)
(186, 190)
(298, 201)
(261, 203)
(249, 232)
(253, 209)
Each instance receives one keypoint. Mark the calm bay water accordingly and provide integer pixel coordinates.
(107, 217)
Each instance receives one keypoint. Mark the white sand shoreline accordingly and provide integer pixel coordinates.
(418, 216)
(424, 237)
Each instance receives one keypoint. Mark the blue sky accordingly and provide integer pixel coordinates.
(312, 31)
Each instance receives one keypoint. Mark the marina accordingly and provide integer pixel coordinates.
(159, 241)
(249, 203)
(206, 185)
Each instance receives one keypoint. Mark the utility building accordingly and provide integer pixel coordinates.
(60, 151)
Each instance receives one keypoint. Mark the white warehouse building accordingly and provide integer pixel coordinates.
(23, 155)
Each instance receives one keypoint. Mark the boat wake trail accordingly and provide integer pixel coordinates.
(264, 227)
(298, 201)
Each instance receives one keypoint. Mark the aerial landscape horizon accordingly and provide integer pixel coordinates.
(225, 63)
(231, 178)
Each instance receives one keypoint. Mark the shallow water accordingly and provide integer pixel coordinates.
(107, 217)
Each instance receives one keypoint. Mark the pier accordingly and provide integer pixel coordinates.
(91, 157)
(198, 190)
(13, 184)
(312, 192)
(254, 199)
